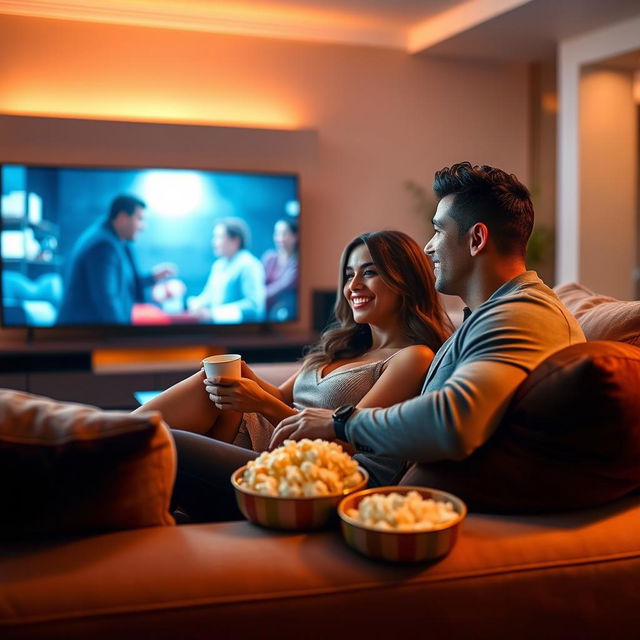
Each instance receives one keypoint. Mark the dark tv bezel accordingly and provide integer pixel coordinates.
(106, 331)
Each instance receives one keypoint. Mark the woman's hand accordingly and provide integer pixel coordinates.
(243, 395)
(247, 372)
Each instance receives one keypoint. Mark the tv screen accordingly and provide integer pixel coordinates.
(85, 246)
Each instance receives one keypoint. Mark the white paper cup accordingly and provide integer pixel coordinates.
(227, 366)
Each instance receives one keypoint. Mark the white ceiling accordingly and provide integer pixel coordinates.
(519, 30)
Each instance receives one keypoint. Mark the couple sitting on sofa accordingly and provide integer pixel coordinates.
(391, 334)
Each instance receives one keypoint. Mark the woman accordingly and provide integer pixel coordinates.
(389, 324)
(281, 271)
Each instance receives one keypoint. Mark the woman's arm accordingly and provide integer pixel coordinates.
(402, 378)
(252, 394)
(284, 392)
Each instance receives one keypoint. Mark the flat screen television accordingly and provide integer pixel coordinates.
(120, 246)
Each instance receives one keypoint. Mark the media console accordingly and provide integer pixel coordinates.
(107, 374)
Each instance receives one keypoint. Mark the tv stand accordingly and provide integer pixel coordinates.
(107, 372)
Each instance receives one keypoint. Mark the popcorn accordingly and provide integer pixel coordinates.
(306, 468)
(397, 512)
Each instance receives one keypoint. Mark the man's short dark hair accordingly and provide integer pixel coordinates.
(492, 196)
(237, 228)
(125, 203)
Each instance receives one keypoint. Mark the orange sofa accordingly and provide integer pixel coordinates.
(568, 575)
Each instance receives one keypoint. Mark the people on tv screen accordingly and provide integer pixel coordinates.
(103, 281)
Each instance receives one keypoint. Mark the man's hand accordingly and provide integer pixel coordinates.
(164, 270)
(308, 423)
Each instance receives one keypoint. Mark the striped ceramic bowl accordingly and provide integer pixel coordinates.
(301, 514)
(401, 546)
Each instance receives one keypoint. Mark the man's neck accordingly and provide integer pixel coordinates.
(114, 228)
(483, 283)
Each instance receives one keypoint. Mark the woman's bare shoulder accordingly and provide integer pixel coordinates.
(415, 355)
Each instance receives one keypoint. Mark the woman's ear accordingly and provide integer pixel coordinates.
(478, 238)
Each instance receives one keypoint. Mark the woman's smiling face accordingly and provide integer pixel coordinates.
(372, 301)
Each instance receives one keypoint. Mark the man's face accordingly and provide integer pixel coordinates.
(130, 225)
(222, 243)
(448, 252)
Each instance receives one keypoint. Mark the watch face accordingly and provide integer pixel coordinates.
(342, 413)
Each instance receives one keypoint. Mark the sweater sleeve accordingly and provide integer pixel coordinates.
(447, 424)
(463, 404)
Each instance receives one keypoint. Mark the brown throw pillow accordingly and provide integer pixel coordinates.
(570, 438)
(602, 317)
(69, 468)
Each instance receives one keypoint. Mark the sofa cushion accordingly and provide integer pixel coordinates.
(570, 438)
(602, 317)
(71, 468)
(555, 577)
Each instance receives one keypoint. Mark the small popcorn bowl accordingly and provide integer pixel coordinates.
(401, 546)
(294, 514)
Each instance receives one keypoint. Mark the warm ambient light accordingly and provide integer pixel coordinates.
(236, 118)
(103, 360)
(636, 87)
(30, 97)
(238, 17)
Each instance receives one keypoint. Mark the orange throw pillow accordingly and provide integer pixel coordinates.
(570, 438)
(70, 468)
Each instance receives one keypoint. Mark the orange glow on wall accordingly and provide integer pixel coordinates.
(550, 102)
(113, 72)
(30, 102)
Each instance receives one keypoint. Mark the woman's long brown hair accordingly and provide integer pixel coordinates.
(405, 269)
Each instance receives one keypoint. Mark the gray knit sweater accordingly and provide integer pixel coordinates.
(472, 378)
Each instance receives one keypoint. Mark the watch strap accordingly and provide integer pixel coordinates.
(340, 417)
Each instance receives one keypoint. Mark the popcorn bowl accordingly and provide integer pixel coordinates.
(397, 545)
(296, 514)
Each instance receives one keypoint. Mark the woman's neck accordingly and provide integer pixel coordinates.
(388, 338)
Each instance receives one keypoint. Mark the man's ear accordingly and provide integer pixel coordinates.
(478, 238)
(116, 220)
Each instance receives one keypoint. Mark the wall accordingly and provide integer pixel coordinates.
(542, 183)
(608, 182)
(571, 256)
(379, 116)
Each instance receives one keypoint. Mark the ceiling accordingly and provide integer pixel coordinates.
(625, 62)
(519, 30)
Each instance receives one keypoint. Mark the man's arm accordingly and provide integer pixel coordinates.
(496, 351)
(448, 424)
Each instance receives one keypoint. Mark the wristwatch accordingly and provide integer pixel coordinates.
(340, 417)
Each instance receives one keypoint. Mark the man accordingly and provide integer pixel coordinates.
(513, 321)
(103, 281)
(235, 289)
